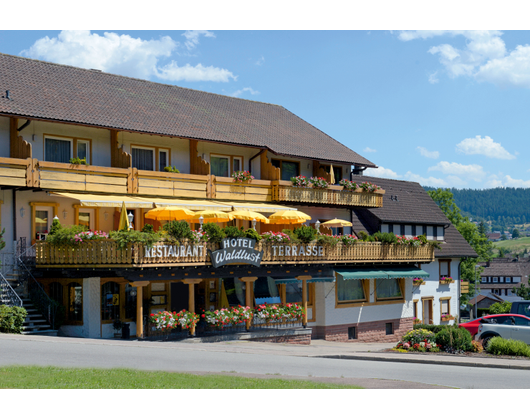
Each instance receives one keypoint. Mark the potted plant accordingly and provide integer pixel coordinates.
(447, 317)
(348, 185)
(318, 182)
(117, 325)
(417, 281)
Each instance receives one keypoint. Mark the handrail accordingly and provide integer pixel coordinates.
(13, 298)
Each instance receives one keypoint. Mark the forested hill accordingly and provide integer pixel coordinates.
(494, 203)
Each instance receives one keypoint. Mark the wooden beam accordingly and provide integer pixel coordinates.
(304, 296)
(191, 298)
(249, 281)
(139, 307)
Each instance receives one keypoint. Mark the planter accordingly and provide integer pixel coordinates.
(418, 282)
(416, 321)
(446, 318)
(446, 280)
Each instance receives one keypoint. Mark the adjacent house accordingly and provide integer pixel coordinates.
(80, 145)
(409, 211)
(501, 275)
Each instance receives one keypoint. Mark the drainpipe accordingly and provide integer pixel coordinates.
(14, 202)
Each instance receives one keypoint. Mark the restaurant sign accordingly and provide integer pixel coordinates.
(236, 250)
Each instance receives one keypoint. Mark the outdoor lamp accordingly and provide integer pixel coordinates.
(317, 225)
(130, 216)
(201, 219)
(22, 211)
(254, 224)
(56, 217)
(65, 213)
(133, 292)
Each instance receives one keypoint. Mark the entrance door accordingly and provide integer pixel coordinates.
(179, 297)
(427, 311)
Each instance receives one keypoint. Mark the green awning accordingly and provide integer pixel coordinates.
(405, 272)
(351, 273)
(287, 280)
(361, 273)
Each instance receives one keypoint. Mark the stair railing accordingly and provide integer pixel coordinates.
(49, 308)
(10, 297)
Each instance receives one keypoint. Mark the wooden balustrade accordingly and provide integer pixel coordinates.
(105, 253)
(99, 179)
(334, 195)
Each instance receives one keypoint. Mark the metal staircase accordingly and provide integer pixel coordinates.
(18, 287)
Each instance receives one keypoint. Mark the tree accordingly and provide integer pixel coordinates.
(478, 241)
(503, 237)
(522, 291)
(515, 233)
(500, 308)
(482, 229)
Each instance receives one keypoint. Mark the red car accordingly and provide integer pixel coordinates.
(472, 326)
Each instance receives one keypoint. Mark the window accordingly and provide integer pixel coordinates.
(110, 301)
(415, 308)
(288, 169)
(163, 159)
(225, 165)
(484, 279)
(62, 149)
(85, 219)
(351, 290)
(41, 224)
(57, 150)
(388, 289)
(220, 165)
(352, 333)
(75, 302)
(130, 302)
(445, 270)
(508, 279)
(389, 328)
(521, 321)
(445, 306)
(143, 158)
(293, 292)
(495, 279)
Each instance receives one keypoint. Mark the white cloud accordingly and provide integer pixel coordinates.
(369, 150)
(430, 181)
(381, 172)
(198, 73)
(122, 54)
(426, 153)
(484, 57)
(239, 92)
(192, 38)
(473, 171)
(507, 181)
(433, 79)
(260, 61)
(483, 146)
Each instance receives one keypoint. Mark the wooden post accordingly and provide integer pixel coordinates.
(249, 282)
(304, 297)
(139, 307)
(191, 298)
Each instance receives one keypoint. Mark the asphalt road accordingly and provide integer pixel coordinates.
(222, 357)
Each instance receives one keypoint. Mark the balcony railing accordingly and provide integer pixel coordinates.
(334, 195)
(106, 253)
(99, 179)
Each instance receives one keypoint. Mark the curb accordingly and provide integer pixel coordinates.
(427, 361)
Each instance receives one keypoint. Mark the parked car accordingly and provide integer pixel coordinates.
(521, 307)
(472, 326)
(518, 329)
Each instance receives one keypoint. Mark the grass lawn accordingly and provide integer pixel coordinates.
(517, 245)
(36, 377)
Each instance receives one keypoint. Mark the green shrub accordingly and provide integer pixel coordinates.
(233, 232)
(215, 233)
(11, 319)
(431, 327)
(385, 237)
(454, 339)
(327, 240)
(172, 169)
(178, 229)
(64, 235)
(418, 336)
(252, 234)
(78, 161)
(2, 242)
(363, 236)
(56, 226)
(306, 234)
(148, 228)
(500, 308)
(290, 233)
(124, 237)
(501, 346)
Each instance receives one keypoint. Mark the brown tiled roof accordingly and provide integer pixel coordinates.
(63, 93)
(412, 206)
(506, 269)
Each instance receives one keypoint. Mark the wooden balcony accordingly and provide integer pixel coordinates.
(99, 179)
(334, 195)
(105, 253)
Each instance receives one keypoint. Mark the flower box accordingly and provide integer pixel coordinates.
(447, 317)
(418, 281)
(446, 280)
(242, 176)
(416, 321)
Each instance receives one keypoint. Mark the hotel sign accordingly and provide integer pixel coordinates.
(236, 250)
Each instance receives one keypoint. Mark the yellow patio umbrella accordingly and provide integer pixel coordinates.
(211, 216)
(249, 215)
(124, 221)
(289, 217)
(336, 223)
(332, 177)
(169, 213)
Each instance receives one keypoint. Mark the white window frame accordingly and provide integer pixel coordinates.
(495, 279)
(240, 159)
(229, 158)
(153, 149)
(168, 162)
(88, 157)
(69, 139)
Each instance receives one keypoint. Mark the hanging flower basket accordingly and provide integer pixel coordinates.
(446, 280)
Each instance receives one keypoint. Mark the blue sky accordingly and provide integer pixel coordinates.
(443, 108)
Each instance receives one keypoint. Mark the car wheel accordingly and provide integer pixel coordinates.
(485, 341)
